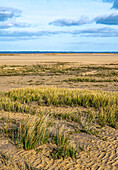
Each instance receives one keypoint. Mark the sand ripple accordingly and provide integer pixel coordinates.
(98, 153)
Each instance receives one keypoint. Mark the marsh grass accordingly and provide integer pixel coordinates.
(89, 79)
(29, 100)
(99, 68)
(30, 133)
(63, 149)
(87, 125)
(107, 73)
(8, 105)
(63, 97)
(34, 132)
(58, 68)
(17, 70)
(108, 115)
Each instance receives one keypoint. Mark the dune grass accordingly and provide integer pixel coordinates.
(25, 70)
(89, 79)
(63, 149)
(34, 131)
(29, 100)
(56, 69)
(106, 73)
(30, 132)
(63, 97)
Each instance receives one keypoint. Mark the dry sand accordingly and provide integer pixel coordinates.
(91, 58)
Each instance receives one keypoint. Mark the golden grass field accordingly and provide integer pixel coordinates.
(59, 111)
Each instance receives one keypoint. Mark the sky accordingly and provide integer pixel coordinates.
(59, 25)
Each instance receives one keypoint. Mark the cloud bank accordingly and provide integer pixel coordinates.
(24, 35)
(111, 19)
(8, 16)
(9, 24)
(97, 32)
(70, 22)
(8, 13)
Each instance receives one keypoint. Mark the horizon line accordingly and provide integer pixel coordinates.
(39, 52)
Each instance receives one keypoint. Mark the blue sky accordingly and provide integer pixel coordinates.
(59, 25)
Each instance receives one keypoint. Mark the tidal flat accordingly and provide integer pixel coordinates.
(59, 111)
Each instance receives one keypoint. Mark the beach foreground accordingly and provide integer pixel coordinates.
(67, 102)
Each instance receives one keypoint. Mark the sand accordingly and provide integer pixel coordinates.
(49, 79)
(91, 58)
(98, 153)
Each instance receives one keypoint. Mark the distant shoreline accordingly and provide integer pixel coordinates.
(58, 52)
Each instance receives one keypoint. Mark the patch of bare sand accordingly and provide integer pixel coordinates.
(97, 153)
(28, 59)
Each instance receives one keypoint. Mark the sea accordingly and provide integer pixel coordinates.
(46, 52)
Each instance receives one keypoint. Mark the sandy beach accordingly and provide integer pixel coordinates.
(27, 59)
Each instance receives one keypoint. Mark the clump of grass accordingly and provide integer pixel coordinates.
(108, 115)
(63, 149)
(88, 79)
(98, 68)
(7, 104)
(87, 125)
(32, 132)
(70, 116)
(106, 73)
